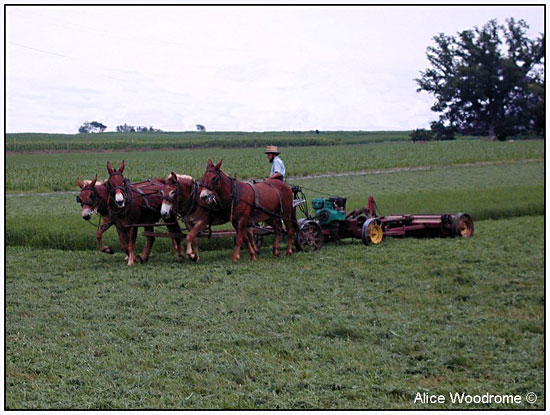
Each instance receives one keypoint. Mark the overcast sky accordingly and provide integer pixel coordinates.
(228, 68)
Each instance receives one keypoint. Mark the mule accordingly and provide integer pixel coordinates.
(139, 203)
(180, 195)
(93, 198)
(246, 204)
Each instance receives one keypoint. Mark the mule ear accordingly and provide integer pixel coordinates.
(160, 179)
(94, 180)
(109, 167)
(219, 164)
(209, 164)
(121, 167)
(173, 177)
(79, 182)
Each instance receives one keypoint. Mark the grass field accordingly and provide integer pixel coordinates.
(348, 327)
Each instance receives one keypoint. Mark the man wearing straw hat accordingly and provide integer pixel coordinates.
(277, 165)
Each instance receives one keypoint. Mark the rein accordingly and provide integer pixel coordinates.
(234, 198)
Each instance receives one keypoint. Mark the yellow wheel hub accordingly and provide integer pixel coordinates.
(376, 233)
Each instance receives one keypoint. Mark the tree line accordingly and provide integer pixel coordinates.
(97, 127)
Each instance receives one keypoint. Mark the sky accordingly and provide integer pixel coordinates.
(229, 68)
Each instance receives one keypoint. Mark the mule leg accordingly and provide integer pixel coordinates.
(123, 238)
(240, 226)
(106, 224)
(249, 239)
(150, 240)
(176, 242)
(277, 228)
(192, 240)
(131, 243)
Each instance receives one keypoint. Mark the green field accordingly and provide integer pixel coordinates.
(190, 139)
(348, 327)
(56, 172)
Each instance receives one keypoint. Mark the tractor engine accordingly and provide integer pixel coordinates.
(329, 210)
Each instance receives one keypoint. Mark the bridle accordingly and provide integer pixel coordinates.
(218, 177)
(93, 197)
(192, 204)
(125, 189)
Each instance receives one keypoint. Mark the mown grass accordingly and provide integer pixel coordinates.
(53, 221)
(58, 172)
(348, 327)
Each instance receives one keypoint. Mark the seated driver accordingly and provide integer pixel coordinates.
(277, 165)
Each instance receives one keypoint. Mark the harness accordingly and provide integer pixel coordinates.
(257, 204)
(93, 197)
(111, 193)
(193, 199)
(234, 197)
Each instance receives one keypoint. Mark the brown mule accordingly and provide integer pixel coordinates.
(138, 203)
(93, 198)
(180, 195)
(249, 203)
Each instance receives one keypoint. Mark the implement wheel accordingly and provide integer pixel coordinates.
(463, 225)
(309, 236)
(372, 232)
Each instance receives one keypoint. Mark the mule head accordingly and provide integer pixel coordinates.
(87, 197)
(211, 183)
(118, 185)
(169, 195)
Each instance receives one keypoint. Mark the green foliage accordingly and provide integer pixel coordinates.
(481, 87)
(348, 327)
(420, 134)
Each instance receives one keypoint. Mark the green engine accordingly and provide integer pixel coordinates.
(328, 210)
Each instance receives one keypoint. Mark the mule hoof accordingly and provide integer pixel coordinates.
(139, 259)
(276, 254)
(194, 258)
(108, 250)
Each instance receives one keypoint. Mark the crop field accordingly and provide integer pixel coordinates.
(156, 140)
(58, 172)
(347, 327)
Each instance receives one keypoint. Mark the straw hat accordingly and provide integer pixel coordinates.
(272, 149)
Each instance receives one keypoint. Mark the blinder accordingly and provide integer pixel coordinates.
(93, 197)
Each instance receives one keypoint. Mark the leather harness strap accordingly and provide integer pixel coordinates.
(257, 204)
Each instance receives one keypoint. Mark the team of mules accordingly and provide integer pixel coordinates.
(215, 199)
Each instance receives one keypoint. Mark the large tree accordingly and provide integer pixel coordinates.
(487, 81)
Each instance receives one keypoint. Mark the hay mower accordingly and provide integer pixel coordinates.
(330, 222)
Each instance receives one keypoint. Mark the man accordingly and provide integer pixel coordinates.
(277, 165)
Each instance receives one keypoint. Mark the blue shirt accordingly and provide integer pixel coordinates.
(277, 167)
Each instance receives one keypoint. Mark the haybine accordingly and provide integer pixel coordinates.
(331, 222)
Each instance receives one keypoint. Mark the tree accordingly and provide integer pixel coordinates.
(200, 127)
(487, 81)
(92, 127)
